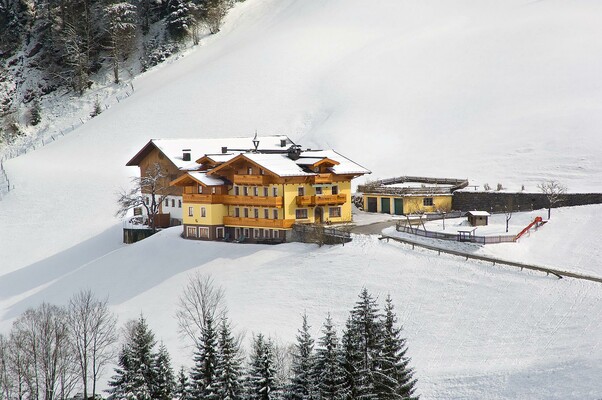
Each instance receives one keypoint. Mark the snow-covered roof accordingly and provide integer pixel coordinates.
(280, 164)
(345, 166)
(173, 148)
(479, 213)
(206, 180)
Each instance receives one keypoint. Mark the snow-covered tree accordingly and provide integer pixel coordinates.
(229, 370)
(394, 379)
(164, 382)
(204, 373)
(328, 372)
(180, 18)
(262, 374)
(302, 385)
(182, 388)
(554, 192)
(121, 27)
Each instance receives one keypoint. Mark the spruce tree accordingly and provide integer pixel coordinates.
(228, 374)
(179, 18)
(164, 385)
(262, 373)
(182, 389)
(302, 386)
(327, 368)
(395, 379)
(204, 372)
(121, 383)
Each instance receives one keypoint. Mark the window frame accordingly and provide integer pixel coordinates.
(301, 213)
(428, 201)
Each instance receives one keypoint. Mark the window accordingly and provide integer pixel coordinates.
(200, 189)
(250, 171)
(190, 211)
(275, 234)
(237, 212)
(427, 201)
(190, 231)
(256, 213)
(319, 190)
(203, 232)
(203, 212)
(173, 202)
(236, 190)
(261, 171)
(255, 191)
(256, 233)
(245, 191)
(301, 213)
(179, 203)
(166, 202)
(275, 191)
(265, 191)
(335, 189)
(334, 212)
(275, 214)
(246, 212)
(266, 213)
(213, 190)
(266, 233)
(219, 232)
(246, 232)
(300, 191)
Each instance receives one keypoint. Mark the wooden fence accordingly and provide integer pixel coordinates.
(402, 227)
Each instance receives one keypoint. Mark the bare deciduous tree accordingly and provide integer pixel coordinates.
(92, 329)
(554, 191)
(200, 299)
(151, 186)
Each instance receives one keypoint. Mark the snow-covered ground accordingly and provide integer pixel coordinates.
(493, 91)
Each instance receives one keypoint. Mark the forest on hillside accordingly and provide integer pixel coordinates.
(66, 45)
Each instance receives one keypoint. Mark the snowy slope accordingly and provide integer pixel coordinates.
(494, 91)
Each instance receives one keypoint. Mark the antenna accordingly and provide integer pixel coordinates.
(255, 141)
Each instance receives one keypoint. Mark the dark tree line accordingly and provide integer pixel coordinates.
(50, 44)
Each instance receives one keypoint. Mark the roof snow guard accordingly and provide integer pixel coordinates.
(408, 185)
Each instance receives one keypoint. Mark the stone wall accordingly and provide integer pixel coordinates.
(493, 201)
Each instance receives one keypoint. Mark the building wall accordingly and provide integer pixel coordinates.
(172, 172)
(412, 204)
(214, 214)
(290, 202)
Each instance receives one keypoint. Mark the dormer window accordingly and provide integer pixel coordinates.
(250, 171)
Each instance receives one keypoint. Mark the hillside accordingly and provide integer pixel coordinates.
(495, 91)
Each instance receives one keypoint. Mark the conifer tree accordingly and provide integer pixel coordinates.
(204, 372)
(327, 367)
(395, 379)
(182, 389)
(120, 383)
(228, 364)
(302, 386)
(179, 18)
(262, 373)
(163, 388)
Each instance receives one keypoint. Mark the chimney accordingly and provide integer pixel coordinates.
(186, 154)
(282, 142)
(294, 152)
(224, 150)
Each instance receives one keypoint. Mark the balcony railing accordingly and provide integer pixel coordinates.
(321, 200)
(259, 222)
(323, 178)
(202, 198)
(251, 179)
(260, 201)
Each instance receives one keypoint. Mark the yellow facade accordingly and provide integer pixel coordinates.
(213, 214)
(411, 204)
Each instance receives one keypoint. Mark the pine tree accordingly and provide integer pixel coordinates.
(364, 333)
(351, 359)
(164, 380)
(262, 374)
(179, 18)
(302, 386)
(182, 389)
(135, 377)
(204, 372)
(395, 379)
(35, 113)
(228, 364)
(327, 367)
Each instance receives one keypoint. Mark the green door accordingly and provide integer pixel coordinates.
(398, 203)
(372, 204)
(385, 205)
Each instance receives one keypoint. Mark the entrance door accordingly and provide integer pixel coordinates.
(318, 215)
(385, 205)
(398, 204)
(372, 204)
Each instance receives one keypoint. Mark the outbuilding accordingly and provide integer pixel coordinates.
(478, 218)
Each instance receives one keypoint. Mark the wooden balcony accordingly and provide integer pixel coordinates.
(321, 200)
(259, 222)
(259, 201)
(202, 198)
(251, 179)
(323, 178)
